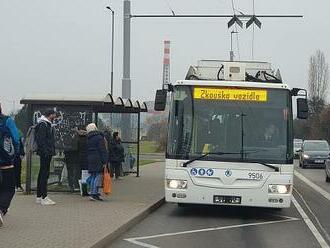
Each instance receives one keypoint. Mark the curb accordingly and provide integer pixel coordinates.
(107, 240)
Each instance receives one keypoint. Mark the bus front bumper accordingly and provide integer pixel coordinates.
(253, 197)
(241, 197)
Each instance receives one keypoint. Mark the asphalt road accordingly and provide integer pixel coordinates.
(304, 224)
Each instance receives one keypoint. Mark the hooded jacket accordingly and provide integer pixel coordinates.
(45, 138)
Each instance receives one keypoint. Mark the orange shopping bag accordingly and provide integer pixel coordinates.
(107, 186)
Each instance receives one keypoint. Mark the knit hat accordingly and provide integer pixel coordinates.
(91, 127)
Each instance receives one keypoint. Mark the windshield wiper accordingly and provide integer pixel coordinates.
(206, 154)
(267, 165)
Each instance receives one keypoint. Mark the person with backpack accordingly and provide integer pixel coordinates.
(8, 149)
(45, 139)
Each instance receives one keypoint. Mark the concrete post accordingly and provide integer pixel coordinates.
(126, 81)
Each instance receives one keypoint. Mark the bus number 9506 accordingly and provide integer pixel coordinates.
(255, 176)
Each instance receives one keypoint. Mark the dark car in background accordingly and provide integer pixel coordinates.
(297, 144)
(314, 153)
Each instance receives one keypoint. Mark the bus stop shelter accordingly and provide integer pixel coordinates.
(79, 111)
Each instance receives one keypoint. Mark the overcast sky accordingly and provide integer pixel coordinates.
(63, 46)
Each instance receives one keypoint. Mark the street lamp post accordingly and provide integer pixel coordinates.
(112, 46)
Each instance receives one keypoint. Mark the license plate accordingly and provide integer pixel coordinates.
(227, 199)
(319, 161)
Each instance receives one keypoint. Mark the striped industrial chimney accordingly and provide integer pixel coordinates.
(166, 63)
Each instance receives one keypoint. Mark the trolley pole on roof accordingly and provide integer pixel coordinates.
(231, 45)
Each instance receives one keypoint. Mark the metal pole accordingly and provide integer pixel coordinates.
(126, 81)
(112, 53)
(242, 135)
(231, 45)
(29, 155)
(138, 147)
(216, 16)
(112, 48)
(112, 45)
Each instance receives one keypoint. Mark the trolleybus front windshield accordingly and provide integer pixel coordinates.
(254, 123)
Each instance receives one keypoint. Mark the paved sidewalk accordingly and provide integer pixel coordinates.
(77, 222)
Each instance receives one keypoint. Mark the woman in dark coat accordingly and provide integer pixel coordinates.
(97, 157)
(116, 155)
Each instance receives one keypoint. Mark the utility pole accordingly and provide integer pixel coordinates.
(126, 81)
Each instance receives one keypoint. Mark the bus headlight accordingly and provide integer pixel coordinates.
(176, 184)
(279, 189)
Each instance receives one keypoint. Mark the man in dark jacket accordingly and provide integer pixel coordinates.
(45, 138)
(7, 171)
(116, 155)
(72, 161)
(97, 156)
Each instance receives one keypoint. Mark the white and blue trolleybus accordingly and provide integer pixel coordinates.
(230, 138)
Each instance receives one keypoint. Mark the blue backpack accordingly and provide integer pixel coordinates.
(7, 148)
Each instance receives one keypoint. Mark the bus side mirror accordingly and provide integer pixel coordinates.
(302, 108)
(160, 100)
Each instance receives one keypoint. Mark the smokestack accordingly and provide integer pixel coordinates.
(166, 63)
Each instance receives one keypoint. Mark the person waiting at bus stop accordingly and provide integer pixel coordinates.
(9, 146)
(97, 157)
(72, 161)
(116, 155)
(45, 138)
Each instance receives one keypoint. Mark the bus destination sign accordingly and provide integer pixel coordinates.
(230, 94)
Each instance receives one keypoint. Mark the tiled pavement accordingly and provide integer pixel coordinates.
(77, 222)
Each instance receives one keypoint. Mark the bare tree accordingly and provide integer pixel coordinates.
(318, 81)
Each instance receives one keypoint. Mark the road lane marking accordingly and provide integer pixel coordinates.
(313, 214)
(317, 188)
(310, 224)
(143, 244)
